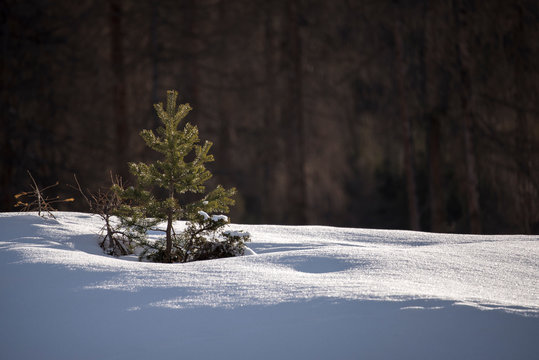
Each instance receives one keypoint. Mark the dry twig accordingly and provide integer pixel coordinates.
(35, 200)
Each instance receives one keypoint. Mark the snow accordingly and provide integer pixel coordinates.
(216, 218)
(204, 214)
(306, 292)
(239, 234)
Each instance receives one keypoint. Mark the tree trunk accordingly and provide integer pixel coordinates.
(269, 146)
(526, 205)
(154, 50)
(467, 115)
(170, 219)
(189, 24)
(435, 183)
(118, 86)
(168, 248)
(407, 135)
(224, 103)
(7, 162)
(432, 102)
(293, 115)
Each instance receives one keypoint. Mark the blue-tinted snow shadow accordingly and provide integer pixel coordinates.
(23, 225)
(324, 329)
(319, 264)
(47, 314)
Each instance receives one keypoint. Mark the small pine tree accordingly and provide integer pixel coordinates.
(181, 170)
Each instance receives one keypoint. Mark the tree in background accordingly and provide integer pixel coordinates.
(118, 85)
(274, 85)
(407, 131)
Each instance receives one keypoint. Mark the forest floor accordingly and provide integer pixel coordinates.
(307, 292)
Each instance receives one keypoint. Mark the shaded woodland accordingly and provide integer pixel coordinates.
(386, 114)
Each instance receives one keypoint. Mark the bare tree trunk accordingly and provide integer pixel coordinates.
(118, 90)
(525, 200)
(154, 50)
(435, 183)
(224, 104)
(293, 114)
(272, 172)
(268, 140)
(431, 102)
(189, 24)
(6, 151)
(467, 116)
(413, 209)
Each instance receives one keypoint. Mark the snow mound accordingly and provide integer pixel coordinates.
(318, 280)
(301, 264)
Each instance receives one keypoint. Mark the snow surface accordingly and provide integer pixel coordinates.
(239, 234)
(204, 214)
(217, 218)
(306, 292)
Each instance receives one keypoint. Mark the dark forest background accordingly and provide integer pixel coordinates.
(385, 114)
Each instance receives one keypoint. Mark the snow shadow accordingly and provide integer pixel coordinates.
(52, 316)
(316, 264)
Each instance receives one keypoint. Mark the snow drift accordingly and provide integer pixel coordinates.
(309, 292)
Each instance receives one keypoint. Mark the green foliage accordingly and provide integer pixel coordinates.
(181, 170)
(202, 239)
